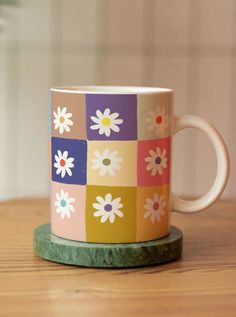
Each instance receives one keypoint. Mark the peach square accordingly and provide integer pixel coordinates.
(73, 122)
(153, 212)
(64, 222)
(112, 163)
(154, 162)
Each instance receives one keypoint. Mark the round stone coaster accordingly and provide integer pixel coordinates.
(53, 248)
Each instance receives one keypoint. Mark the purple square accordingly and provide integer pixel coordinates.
(69, 159)
(111, 117)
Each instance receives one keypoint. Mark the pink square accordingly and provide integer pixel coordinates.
(154, 162)
(68, 211)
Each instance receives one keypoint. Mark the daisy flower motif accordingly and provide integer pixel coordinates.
(62, 120)
(108, 209)
(106, 122)
(155, 208)
(156, 161)
(63, 163)
(157, 120)
(64, 204)
(107, 162)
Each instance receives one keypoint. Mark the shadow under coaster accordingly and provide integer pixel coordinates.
(53, 248)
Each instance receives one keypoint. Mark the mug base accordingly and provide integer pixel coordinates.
(52, 248)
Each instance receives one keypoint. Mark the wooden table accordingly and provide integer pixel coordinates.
(202, 283)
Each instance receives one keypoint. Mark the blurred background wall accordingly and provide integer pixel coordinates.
(186, 45)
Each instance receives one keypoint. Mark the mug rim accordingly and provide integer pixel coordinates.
(118, 90)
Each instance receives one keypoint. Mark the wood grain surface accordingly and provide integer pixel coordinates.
(201, 283)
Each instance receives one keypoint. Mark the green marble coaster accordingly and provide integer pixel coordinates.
(50, 247)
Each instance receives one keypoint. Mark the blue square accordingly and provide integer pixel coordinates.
(69, 161)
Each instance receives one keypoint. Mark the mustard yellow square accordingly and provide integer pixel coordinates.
(112, 163)
(110, 214)
(153, 212)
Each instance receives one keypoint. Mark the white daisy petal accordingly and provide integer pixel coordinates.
(65, 155)
(159, 169)
(98, 213)
(106, 112)
(68, 116)
(95, 127)
(56, 203)
(103, 171)
(105, 152)
(95, 119)
(115, 128)
(63, 173)
(97, 154)
(148, 159)
(158, 151)
(114, 115)
(151, 113)
(155, 197)
(119, 213)
(63, 111)
(61, 129)
(152, 218)
(69, 122)
(114, 154)
(58, 171)
(67, 213)
(104, 218)
(118, 121)
(107, 131)
(97, 206)
(117, 200)
(67, 128)
(65, 194)
(99, 114)
(154, 170)
(100, 200)
(111, 217)
(111, 172)
(108, 198)
(55, 115)
(147, 214)
(57, 196)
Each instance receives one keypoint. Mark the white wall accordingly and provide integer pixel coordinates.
(187, 45)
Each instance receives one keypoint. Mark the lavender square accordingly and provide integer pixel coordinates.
(111, 117)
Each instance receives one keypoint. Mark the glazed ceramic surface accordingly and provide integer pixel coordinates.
(111, 163)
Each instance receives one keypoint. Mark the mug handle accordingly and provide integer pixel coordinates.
(191, 206)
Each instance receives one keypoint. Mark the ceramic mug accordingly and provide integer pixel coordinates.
(111, 163)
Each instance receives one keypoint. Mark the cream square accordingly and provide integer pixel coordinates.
(112, 163)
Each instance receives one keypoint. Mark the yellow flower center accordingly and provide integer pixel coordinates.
(62, 119)
(106, 121)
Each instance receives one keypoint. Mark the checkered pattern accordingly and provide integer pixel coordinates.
(110, 166)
